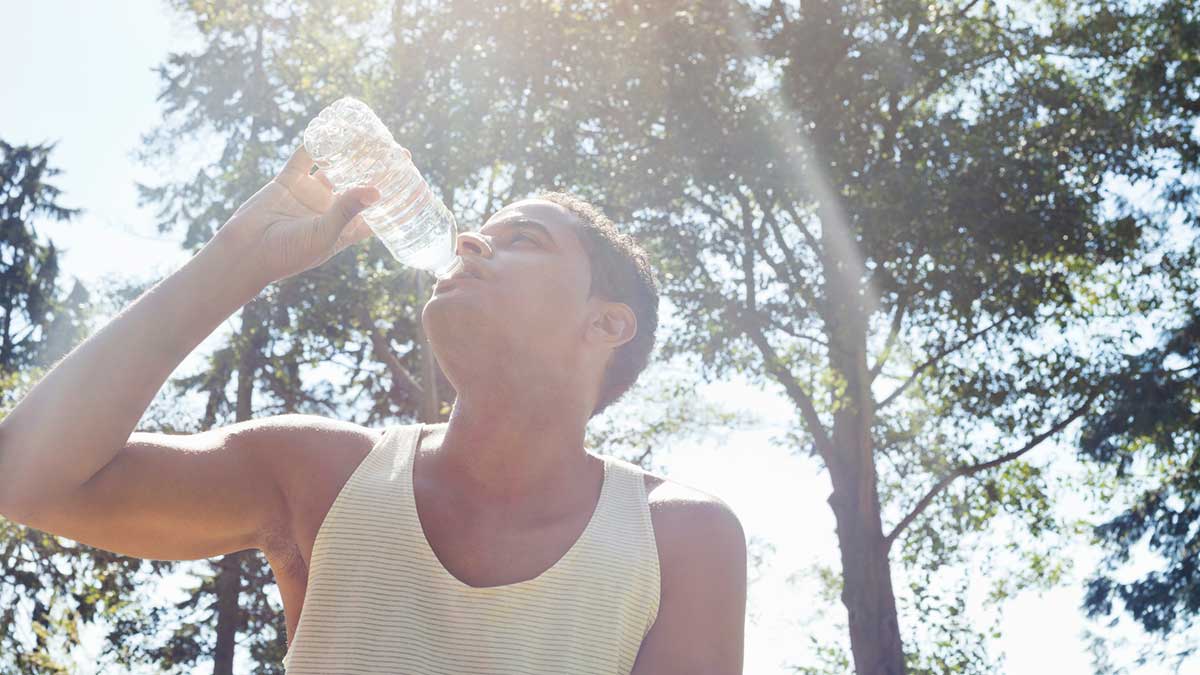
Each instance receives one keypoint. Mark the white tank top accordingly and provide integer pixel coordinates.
(379, 601)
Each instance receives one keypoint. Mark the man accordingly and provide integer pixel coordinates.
(529, 553)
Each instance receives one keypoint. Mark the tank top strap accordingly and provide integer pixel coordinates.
(626, 541)
(628, 483)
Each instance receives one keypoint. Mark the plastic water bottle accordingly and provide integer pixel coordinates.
(349, 142)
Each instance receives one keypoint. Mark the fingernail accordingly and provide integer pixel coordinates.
(369, 197)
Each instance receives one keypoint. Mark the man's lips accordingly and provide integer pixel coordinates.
(454, 280)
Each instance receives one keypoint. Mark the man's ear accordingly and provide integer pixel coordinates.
(615, 324)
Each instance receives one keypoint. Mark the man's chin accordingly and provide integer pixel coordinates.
(453, 319)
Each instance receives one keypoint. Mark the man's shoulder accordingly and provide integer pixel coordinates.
(700, 621)
(290, 430)
(308, 454)
(688, 520)
(680, 500)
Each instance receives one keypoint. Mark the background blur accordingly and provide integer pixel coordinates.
(934, 257)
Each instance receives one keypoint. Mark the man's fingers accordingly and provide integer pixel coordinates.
(297, 166)
(320, 175)
(314, 191)
(357, 231)
(348, 205)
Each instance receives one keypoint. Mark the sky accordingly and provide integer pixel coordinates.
(87, 83)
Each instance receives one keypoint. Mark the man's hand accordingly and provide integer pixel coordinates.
(296, 222)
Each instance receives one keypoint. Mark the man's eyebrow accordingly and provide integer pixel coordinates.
(522, 221)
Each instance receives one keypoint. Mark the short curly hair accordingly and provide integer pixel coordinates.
(621, 272)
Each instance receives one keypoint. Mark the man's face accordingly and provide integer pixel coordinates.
(529, 314)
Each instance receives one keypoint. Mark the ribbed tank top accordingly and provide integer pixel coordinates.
(378, 600)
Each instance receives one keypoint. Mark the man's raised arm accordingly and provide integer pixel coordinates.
(78, 417)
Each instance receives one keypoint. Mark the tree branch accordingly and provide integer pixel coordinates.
(893, 333)
(963, 12)
(383, 352)
(972, 469)
(935, 359)
(776, 368)
(785, 275)
(933, 85)
(792, 266)
(711, 210)
(748, 250)
(755, 328)
(491, 191)
(305, 396)
(799, 336)
(808, 236)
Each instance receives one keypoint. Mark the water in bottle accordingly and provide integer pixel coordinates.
(349, 142)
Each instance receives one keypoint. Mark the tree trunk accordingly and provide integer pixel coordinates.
(229, 579)
(6, 345)
(866, 574)
(229, 576)
(866, 571)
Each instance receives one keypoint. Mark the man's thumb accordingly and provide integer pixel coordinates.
(345, 207)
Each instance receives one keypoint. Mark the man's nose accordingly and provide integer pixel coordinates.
(475, 243)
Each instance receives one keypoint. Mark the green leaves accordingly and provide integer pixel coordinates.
(897, 210)
(1151, 424)
(40, 320)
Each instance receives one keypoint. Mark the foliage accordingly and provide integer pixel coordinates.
(48, 587)
(262, 71)
(895, 210)
(40, 320)
(1150, 436)
(890, 208)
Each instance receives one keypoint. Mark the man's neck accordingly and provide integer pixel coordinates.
(504, 452)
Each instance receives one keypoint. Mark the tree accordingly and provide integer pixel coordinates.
(881, 207)
(48, 587)
(1146, 441)
(888, 210)
(263, 71)
(40, 322)
(235, 87)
